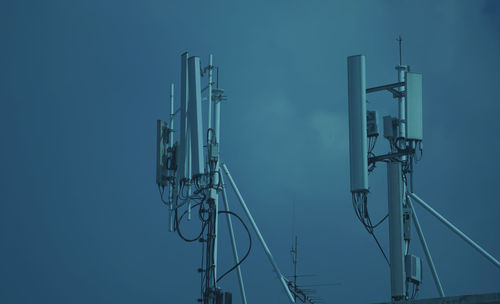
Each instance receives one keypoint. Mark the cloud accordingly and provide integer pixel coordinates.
(331, 129)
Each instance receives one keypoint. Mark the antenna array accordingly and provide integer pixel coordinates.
(189, 177)
(404, 134)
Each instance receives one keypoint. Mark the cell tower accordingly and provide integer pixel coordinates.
(189, 177)
(404, 134)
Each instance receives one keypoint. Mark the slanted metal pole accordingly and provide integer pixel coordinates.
(396, 241)
(233, 244)
(259, 235)
(455, 229)
(421, 236)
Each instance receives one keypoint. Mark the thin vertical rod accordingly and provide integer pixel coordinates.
(400, 40)
(210, 96)
(233, 244)
(295, 257)
(259, 235)
(421, 236)
(171, 144)
(216, 215)
(189, 192)
(402, 102)
(217, 119)
(217, 167)
(171, 139)
(455, 229)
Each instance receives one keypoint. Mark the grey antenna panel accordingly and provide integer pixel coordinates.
(183, 159)
(358, 150)
(195, 116)
(414, 120)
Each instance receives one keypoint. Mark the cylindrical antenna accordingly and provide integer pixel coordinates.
(400, 40)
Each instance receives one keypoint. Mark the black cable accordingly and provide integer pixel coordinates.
(372, 141)
(380, 247)
(177, 226)
(249, 245)
(202, 270)
(362, 214)
(162, 190)
(380, 222)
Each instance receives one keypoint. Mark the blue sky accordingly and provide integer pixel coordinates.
(82, 84)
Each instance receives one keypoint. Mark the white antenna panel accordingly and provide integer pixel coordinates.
(358, 151)
(195, 116)
(184, 139)
(414, 119)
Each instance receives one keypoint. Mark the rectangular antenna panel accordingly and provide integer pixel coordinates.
(195, 116)
(414, 106)
(184, 139)
(356, 80)
(372, 123)
(161, 153)
(391, 127)
(388, 127)
(413, 269)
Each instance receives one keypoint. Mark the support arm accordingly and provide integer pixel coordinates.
(233, 244)
(456, 230)
(259, 235)
(439, 287)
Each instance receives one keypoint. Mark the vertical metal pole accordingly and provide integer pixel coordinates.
(217, 119)
(184, 159)
(213, 191)
(396, 242)
(456, 230)
(171, 144)
(215, 236)
(401, 101)
(402, 108)
(171, 123)
(210, 97)
(233, 244)
(259, 235)
(189, 192)
(295, 257)
(428, 256)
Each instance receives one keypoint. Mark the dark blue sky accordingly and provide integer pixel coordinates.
(83, 82)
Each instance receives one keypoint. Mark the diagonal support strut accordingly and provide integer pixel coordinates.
(455, 229)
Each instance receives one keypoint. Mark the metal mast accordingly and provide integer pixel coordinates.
(405, 135)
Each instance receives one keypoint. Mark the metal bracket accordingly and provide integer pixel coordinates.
(389, 156)
(389, 87)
